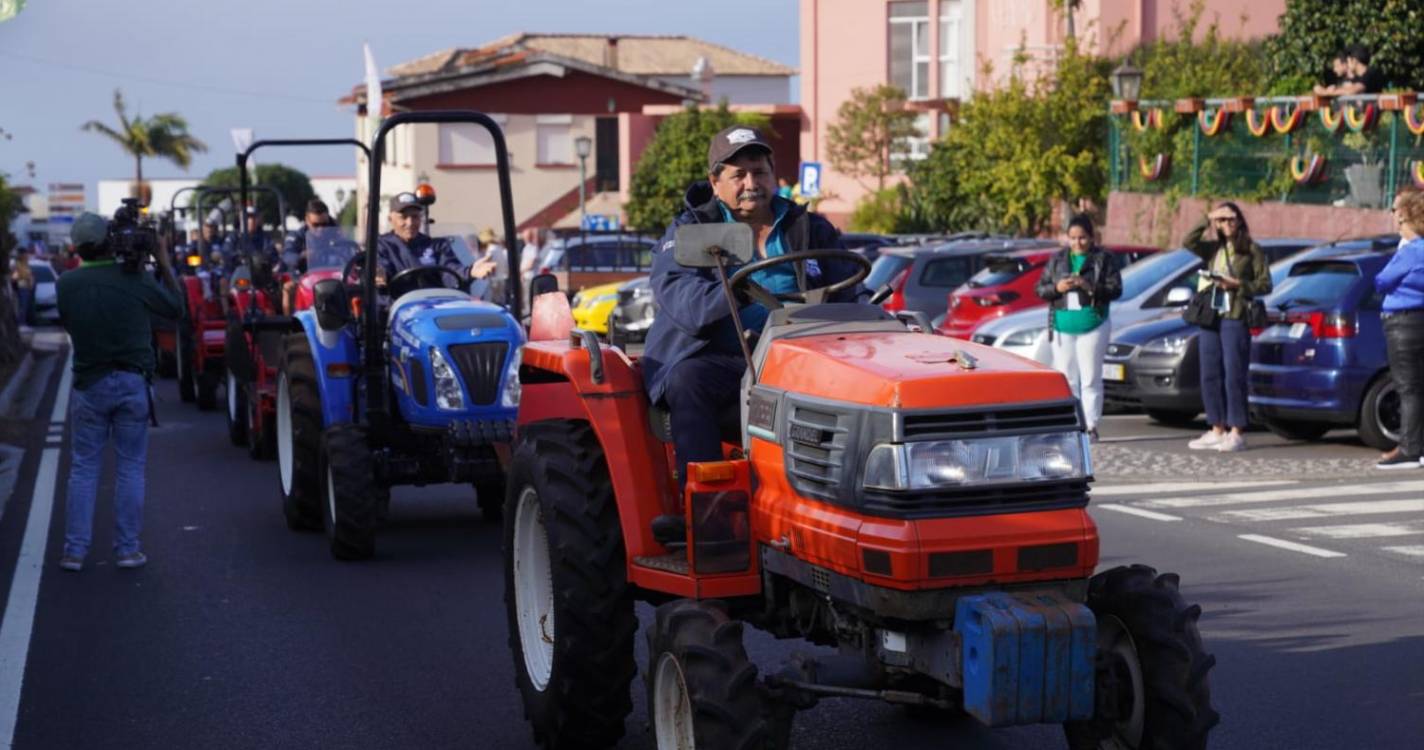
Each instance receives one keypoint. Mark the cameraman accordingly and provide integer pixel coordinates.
(104, 305)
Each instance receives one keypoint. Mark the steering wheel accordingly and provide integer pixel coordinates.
(742, 278)
(423, 277)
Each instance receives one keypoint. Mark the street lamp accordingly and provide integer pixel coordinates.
(1127, 82)
(583, 146)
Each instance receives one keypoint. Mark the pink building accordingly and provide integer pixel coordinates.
(938, 51)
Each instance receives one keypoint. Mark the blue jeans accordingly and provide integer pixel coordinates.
(701, 395)
(1225, 357)
(117, 405)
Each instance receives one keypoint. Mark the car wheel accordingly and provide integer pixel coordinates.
(1379, 414)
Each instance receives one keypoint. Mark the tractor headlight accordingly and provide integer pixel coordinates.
(955, 463)
(448, 394)
(510, 395)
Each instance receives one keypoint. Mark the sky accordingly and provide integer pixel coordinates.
(277, 66)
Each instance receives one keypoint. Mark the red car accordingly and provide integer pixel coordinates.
(1005, 284)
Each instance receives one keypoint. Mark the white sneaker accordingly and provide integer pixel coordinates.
(1231, 442)
(1207, 442)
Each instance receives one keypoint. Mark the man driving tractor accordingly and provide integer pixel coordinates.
(693, 363)
(406, 247)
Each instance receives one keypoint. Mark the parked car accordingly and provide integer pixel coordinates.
(1322, 362)
(592, 306)
(1006, 284)
(592, 258)
(922, 276)
(46, 296)
(1153, 364)
(866, 244)
(634, 313)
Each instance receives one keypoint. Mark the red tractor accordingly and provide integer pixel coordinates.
(915, 501)
(258, 320)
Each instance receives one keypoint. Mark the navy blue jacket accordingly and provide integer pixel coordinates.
(394, 256)
(691, 303)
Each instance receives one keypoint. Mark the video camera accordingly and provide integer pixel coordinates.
(132, 237)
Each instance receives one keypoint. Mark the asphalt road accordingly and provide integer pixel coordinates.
(242, 634)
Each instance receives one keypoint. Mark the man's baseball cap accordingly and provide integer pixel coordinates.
(731, 140)
(402, 201)
(89, 229)
(251, 211)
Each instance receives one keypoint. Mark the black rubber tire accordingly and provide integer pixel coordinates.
(587, 696)
(1177, 706)
(167, 361)
(302, 504)
(235, 410)
(1171, 417)
(727, 704)
(208, 383)
(187, 382)
(347, 470)
(1372, 432)
(236, 354)
(489, 494)
(261, 438)
(1293, 429)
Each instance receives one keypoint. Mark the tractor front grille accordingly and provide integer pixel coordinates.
(815, 449)
(1051, 417)
(481, 366)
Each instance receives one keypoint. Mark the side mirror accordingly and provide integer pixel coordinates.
(543, 284)
(695, 245)
(330, 303)
(1179, 295)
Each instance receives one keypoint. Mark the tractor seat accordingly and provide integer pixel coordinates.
(729, 424)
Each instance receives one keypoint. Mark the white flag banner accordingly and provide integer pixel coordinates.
(373, 89)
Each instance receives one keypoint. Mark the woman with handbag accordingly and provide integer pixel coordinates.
(1078, 284)
(1401, 282)
(1234, 275)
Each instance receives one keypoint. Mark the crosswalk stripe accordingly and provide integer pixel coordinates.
(1297, 493)
(1362, 530)
(1321, 511)
(1283, 544)
(1117, 490)
(1412, 550)
(1131, 511)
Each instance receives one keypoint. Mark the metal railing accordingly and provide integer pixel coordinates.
(1352, 151)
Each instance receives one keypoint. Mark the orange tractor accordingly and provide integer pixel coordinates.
(917, 502)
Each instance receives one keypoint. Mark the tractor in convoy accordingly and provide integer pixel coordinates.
(257, 323)
(400, 380)
(916, 502)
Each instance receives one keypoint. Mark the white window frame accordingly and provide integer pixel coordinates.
(917, 55)
(445, 149)
(950, 84)
(918, 146)
(556, 126)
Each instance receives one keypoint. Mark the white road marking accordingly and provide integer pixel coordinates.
(1116, 490)
(1292, 546)
(1321, 511)
(1131, 511)
(19, 619)
(1411, 550)
(1298, 493)
(1362, 530)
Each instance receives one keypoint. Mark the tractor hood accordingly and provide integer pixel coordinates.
(426, 317)
(907, 370)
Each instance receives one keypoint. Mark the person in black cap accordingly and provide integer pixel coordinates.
(405, 246)
(693, 362)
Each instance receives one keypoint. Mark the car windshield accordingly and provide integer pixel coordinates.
(885, 269)
(998, 271)
(1139, 276)
(329, 247)
(613, 252)
(1312, 284)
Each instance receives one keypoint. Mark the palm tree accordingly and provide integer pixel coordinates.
(162, 136)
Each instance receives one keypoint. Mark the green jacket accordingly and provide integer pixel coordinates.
(106, 312)
(1250, 267)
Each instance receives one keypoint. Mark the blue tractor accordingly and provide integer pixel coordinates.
(414, 382)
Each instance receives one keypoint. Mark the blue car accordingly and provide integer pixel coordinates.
(1321, 364)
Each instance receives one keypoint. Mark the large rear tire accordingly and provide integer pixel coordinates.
(1149, 647)
(187, 384)
(567, 599)
(236, 410)
(208, 383)
(702, 688)
(1379, 414)
(353, 498)
(298, 435)
(261, 444)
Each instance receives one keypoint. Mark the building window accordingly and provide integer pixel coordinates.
(917, 146)
(555, 138)
(951, 82)
(465, 144)
(910, 47)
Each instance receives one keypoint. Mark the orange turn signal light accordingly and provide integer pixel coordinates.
(425, 193)
(194, 261)
(712, 472)
(339, 370)
(242, 283)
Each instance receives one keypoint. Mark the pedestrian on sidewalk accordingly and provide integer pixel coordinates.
(1234, 274)
(1079, 284)
(1401, 282)
(22, 278)
(105, 309)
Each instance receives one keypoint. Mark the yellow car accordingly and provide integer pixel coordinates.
(593, 305)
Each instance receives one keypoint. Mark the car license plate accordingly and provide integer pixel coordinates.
(1114, 372)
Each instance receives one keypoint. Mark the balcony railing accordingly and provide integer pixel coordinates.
(1355, 151)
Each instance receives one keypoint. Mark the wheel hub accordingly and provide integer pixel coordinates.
(672, 709)
(284, 434)
(1116, 642)
(232, 414)
(534, 589)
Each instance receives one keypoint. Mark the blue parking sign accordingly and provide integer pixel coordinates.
(810, 178)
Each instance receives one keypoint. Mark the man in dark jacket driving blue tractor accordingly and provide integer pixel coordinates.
(693, 363)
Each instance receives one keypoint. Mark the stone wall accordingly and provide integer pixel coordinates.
(1145, 219)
